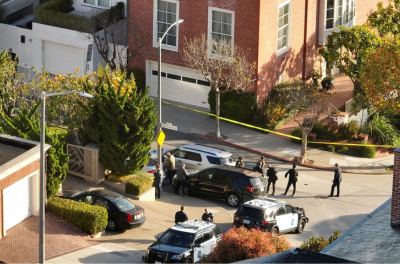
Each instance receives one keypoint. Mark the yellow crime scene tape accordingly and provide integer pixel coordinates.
(274, 132)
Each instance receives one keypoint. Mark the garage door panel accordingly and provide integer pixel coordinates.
(63, 59)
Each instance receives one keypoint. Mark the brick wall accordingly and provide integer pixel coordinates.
(11, 179)
(395, 215)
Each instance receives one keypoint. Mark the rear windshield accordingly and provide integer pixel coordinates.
(226, 161)
(151, 162)
(251, 212)
(255, 181)
(123, 205)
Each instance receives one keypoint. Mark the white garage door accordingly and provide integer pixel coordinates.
(63, 59)
(17, 202)
(180, 85)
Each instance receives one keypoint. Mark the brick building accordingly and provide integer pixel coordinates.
(281, 36)
(19, 181)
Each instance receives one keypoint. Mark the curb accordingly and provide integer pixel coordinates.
(283, 159)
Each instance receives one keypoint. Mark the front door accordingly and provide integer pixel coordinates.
(206, 241)
(292, 217)
(281, 218)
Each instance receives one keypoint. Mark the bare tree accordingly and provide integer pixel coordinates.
(308, 104)
(222, 65)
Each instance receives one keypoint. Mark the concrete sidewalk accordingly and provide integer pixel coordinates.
(189, 121)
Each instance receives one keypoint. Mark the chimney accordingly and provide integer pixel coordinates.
(395, 213)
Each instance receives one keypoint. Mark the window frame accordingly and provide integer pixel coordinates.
(351, 4)
(96, 5)
(209, 21)
(285, 49)
(155, 26)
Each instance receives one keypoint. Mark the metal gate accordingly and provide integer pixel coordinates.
(84, 162)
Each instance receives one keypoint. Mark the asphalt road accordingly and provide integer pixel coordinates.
(360, 194)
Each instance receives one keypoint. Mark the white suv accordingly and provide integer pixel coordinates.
(197, 157)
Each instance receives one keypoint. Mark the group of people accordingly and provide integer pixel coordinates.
(181, 216)
(293, 174)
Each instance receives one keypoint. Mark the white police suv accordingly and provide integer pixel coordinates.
(185, 242)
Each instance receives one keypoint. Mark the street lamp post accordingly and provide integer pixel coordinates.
(42, 169)
(159, 127)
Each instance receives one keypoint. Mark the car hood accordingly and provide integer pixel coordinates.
(161, 247)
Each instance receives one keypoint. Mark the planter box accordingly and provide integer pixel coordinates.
(149, 195)
(119, 186)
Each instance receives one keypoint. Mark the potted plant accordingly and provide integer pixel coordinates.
(327, 82)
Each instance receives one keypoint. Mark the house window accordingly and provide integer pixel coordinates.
(281, 78)
(166, 13)
(220, 25)
(339, 12)
(283, 26)
(98, 3)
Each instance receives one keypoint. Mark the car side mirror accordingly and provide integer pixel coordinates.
(157, 237)
(197, 245)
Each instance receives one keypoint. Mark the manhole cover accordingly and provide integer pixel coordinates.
(321, 197)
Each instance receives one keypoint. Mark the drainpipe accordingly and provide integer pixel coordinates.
(305, 42)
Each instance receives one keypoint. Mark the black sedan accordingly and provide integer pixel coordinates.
(121, 213)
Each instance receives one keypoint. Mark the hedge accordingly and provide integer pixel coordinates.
(139, 185)
(89, 218)
(234, 105)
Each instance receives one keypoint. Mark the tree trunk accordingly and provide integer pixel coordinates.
(303, 154)
(217, 104)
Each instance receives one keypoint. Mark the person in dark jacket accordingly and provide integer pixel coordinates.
(272, 178)
(181, 216)
(336, 180)
(12, 54)
(239, 163)
(207, 216)
(158, 180)
(181, 175)
(260, 166)
(292, 179)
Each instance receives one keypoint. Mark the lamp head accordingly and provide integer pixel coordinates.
(83, 94)
(180, 21)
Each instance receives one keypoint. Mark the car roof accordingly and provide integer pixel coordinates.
(264, 203)
(107, 194)
(247, 172)
(192, 226)
(207, 149)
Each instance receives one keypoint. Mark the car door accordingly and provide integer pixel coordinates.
(220, 182)
(205, 182)
(292, 217)
(193, 160)
(281, 218)
(204, 243)
(108, 205)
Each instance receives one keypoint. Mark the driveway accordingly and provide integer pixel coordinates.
(21, 245)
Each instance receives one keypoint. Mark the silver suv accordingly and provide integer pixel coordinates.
(197, 157)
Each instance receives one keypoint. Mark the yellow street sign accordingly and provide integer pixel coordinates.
(160, 139)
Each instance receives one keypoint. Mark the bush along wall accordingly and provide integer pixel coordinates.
(139, 185)
(89, 218)
(234, 105)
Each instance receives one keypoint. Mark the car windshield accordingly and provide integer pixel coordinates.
(255, 181)
(151, 162)
(123, 205)
(251, 212)
(227, 160)
(177, 238)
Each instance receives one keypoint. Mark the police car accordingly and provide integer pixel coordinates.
(270, 215)
(185, 242)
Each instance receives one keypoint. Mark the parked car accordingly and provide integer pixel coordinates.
(197, 157)
(184, 243)
(149, 169)
(235, 185)
(122, 214)
(270, 215)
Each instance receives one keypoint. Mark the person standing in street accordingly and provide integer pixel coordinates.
(207, 216)
(239, 163)
(181, 216)
(272, 178)
(170, 166)
(158, 180)
(292, 179)
(181, 175)
(12, 54)
(260, 166)
(336, 180)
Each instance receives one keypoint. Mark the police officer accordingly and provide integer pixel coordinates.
(158, 180)
(207, 216)
(272, 178)
(239, 163)
(292, 179)
(181, 216)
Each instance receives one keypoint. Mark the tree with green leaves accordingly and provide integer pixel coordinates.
(27, 125)
(121, 121)
(386, 19)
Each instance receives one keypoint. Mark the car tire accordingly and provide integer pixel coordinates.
(111, 225)
(186, 190)
(300, 226)
(233, 199)
(275, 230)
(188, 260)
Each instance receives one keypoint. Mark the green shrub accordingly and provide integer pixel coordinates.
(241, 244)
(89, 218)
(118, 178)
(234, 105)
(382, 131)
(318, 244)
(139, 75)
(297, 132)
(343, 150)
(349, 130)
(139, 185)
(62, 133)
(365, 152)
(330, 148)
(270, 112)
